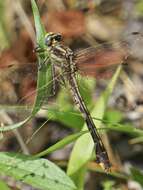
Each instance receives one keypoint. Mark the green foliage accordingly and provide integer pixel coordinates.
(68, 117)
(108, 185)
(65, 112)
(113, 116)
(86, 87)
(39, 173)
(4, 26)
(125, 128)
(14, 126)
(3, 185)
(44, 73)
(62, 143)
(137, 175)
(139, 7)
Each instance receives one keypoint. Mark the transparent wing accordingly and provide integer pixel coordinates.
(93, 61)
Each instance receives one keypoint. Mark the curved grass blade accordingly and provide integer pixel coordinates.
(126, 128)
(14, 126)
(136, 140)
(62, 143)
(44, 74)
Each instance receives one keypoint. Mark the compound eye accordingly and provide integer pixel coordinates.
(48, 40)
(58, 37)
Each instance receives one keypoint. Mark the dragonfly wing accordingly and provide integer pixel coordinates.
(94, 62)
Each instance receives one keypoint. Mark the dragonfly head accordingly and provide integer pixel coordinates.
(52, 38)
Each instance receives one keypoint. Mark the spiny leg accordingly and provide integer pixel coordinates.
(40, 50)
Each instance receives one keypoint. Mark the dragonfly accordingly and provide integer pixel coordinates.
(72, 62)
(63, 57)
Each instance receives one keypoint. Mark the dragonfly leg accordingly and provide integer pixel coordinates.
(54, 80)
(40, 65)
(38, 49)
(62, 81)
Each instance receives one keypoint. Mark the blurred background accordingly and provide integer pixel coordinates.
(113, 24)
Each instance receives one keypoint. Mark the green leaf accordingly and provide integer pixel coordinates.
(40, 173)
(65, 112)
(84, 146)
(3, 185)
(137, 175)
(61, 144)
(86, 87)
(108, 185)
(113, 116)
(69, 117)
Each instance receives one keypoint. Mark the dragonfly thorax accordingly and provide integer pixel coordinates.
(61, 52)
